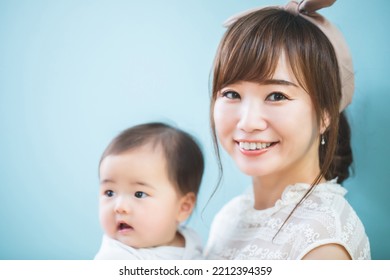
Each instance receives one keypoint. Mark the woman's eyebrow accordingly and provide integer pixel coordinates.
(278, 82)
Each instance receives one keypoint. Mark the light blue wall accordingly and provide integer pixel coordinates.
(75, 73)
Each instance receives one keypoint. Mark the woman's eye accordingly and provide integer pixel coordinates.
(109, 193)
(276, 96)
(231, 94)
(140, 195)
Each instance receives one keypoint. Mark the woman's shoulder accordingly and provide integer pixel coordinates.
(325, 198)
(326, 217)
(328, 199)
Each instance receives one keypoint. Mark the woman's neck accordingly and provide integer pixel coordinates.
(267, 192)
(269, 189)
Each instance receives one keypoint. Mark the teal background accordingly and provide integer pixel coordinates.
(73, 74)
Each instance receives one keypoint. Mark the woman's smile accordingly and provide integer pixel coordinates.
(254, 148)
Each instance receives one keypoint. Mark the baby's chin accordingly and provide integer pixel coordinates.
(133, 241)
(142, 243)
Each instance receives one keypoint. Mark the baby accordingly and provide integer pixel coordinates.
(149, 179)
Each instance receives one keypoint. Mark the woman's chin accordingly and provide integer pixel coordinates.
(253, 171)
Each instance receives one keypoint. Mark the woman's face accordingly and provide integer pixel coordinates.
(269, 129)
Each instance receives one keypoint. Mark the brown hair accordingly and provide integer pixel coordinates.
(183, 155)
(249, 51)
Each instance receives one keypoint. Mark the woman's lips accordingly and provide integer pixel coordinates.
(254, 148)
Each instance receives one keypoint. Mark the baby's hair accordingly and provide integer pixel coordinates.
(184, 158)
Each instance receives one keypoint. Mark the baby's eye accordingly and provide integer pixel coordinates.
(231, 94)
(109, 193)
(276, 96)
(140, 195)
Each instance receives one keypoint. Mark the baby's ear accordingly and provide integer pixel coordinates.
(187, 204)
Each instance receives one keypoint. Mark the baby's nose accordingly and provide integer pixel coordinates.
(123, 205)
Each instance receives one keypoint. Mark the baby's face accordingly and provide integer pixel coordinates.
(138, 204)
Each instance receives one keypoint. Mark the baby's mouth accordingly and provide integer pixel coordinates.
(124, 226)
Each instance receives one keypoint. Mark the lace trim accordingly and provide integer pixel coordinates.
(290, 197)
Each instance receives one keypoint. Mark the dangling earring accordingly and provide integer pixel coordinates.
(322, 140)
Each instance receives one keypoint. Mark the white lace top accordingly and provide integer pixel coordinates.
(241, 232)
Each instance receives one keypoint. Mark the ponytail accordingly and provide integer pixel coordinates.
(343, 158)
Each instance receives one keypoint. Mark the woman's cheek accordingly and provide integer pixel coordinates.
(223, 116)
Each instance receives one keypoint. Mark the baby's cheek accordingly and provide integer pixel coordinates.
(106, 220)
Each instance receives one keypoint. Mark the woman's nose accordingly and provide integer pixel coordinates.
(123, 205)
(252, 117)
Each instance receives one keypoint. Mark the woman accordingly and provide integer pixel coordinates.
(279, 85)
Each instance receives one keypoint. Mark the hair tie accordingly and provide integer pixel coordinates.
(307, 9)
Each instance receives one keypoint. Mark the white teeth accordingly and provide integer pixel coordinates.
(251, 146)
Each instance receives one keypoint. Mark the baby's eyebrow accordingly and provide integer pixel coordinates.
(105, 181)
(144, 184)
(278, 82)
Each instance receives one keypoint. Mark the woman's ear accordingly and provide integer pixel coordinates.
(325, 121)
(186, 205)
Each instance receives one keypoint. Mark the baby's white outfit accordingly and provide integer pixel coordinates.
(112, 249)
(325, 217)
